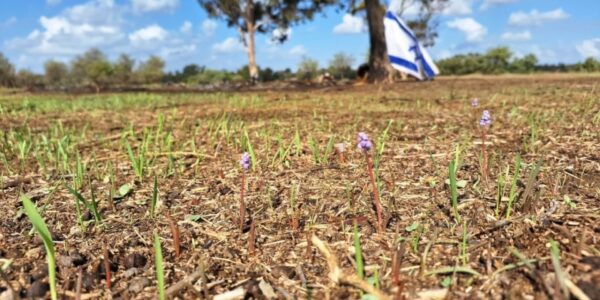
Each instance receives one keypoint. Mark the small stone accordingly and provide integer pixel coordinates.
(38, 289)
(88, 281)
(138, 284)
(135, 260)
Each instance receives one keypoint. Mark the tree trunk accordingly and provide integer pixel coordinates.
(379, 65)
(252, 68)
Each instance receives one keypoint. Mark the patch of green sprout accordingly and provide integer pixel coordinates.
(138, 161)
(91, 206)
(40, 227)
(512, 195)
(452, 168)
(360, 268)
(558, 271)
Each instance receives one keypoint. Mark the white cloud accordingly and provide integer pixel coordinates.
(146, 34)
(489, 3)
(474, 32)
(53, 2)
(186, 27)
(298, 51)
(209, 27)
(350, 25)
(142, 6)
(536, 17)
(450, 8)
(589, 48)
(278, 34)
(458, 8)
(67, 34)
(517, 36)
(229, 45)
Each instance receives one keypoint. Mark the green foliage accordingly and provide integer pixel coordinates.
(340, 66)
(308, 69)
(40, 227)
(92, 68)
(494, 61)
(7, 72)
(151, 70)
(123, 69)
(56, 73)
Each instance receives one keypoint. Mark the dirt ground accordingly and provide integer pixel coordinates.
(302, 197)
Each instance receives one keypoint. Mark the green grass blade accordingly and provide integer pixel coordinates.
(158, 261)
(360, 268)
(154, 197)
(40, 226)
(453, 189)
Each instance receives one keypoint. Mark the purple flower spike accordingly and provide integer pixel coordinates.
(364, 143)
(245, 161)
(475, 102)
(486, 119)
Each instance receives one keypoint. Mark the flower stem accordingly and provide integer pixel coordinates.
(242, 206)
(375, 191)
(484, 169)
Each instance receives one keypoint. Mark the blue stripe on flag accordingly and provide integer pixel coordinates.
(403, 62)
(426, 66)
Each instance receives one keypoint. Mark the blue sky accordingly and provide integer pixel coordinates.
(34, 31)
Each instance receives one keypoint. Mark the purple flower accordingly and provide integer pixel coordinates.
(475, 102)
(486, 119)
(245, 161)
(364, 143)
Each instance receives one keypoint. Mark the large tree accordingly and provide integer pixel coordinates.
(151, 70)
(56, 73)
(7, 72)
(422, 23)
(92, 68)
(251, 16)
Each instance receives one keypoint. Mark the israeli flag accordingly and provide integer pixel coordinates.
(404, 50)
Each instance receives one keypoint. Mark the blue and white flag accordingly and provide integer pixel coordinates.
(404, 50)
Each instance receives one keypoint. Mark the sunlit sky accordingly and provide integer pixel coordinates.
(33, 31)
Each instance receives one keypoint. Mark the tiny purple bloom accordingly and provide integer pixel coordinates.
(364, 143)
(475, 102)
(486, 119)
(245, 161)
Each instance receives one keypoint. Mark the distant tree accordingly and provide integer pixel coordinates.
(497, 60)
(7, 72)
(590, 65)
(92, 68)
(341, 66)
(28, 79)
(56, 73)
(251, 16)
(190, 70)
(123, 69)
(526, 64)
(308, 69)
(151, 70)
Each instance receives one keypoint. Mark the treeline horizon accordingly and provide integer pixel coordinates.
(93, 69)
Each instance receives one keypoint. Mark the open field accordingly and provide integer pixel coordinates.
(186, 147)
